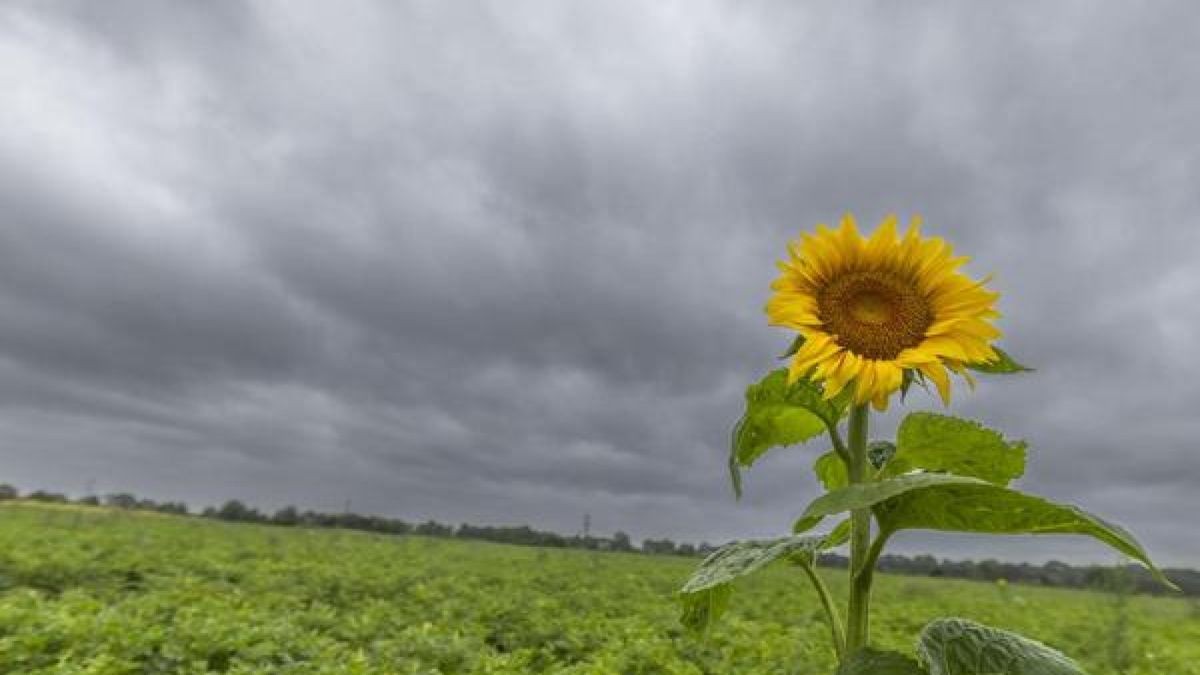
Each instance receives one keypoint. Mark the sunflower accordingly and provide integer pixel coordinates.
(874, 311)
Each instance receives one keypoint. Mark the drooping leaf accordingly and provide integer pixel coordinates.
(963, 447)
(735, 470)
(706, 594)
(873, 662)
(703, 608)
(863, 495)
(982, 507)
(831, 471)
(1003, 365)
(779, 414)
(962, 647)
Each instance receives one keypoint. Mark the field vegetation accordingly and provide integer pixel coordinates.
(95, 590)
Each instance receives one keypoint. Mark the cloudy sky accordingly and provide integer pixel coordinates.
(505, 262)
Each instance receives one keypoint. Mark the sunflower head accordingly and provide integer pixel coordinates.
(873, 311)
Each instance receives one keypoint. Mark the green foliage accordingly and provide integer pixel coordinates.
(706, 594)
(831, 471)
(880, 453)
(863, 495)
(962, 647)
(778, 414)
(874, 662)
(968, 505)
(104, 591)
(839, 535)
(1003, 365)
(703, 607)
(794, 347)
(963, 447)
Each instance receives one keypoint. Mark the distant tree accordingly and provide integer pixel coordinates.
(177, 508)
(49, 497)
(121, 500)
(8, 492)
(286, 516)
(658, 546)
(434, 529)
(621, 542)
(236, 511)
(89, 500)
(685, 549)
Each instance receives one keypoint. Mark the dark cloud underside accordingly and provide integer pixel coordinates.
(505, 262)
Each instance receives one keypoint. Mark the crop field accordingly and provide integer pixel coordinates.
(88, 590)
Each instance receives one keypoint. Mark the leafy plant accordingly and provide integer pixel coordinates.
(875, 316)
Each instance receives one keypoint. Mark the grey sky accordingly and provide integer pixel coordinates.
(505, 262)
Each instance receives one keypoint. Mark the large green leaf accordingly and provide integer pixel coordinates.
(778, 414)
(872, 662)
(863, 495)
(1002, 365)
(706, 594)
(986, 508)
(962, 647)
(962, 447)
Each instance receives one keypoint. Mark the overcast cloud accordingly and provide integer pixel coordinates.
(505, 262)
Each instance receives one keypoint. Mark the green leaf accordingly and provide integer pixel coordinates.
(702, 609)
(803, 525)
(779, 414)
(831, 471)
(986, 508)
(793, 348)
(1003, 365)
(962, 647)
(839, 535)
(872, 662)
(706, 594)
(863, 495)
(880, 453)
(963, 447)
(906, 381)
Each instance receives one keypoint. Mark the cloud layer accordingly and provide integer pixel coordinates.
(506, 263)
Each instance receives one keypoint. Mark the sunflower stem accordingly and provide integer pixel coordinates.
(861, 562)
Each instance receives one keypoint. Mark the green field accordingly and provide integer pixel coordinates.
(88, 590)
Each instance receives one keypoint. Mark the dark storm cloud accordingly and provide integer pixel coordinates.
(506, 263)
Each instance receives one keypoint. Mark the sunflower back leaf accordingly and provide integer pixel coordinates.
(932, 442)
(779, 414)
(1004, 364)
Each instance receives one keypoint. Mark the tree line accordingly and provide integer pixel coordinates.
(1128, 578)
